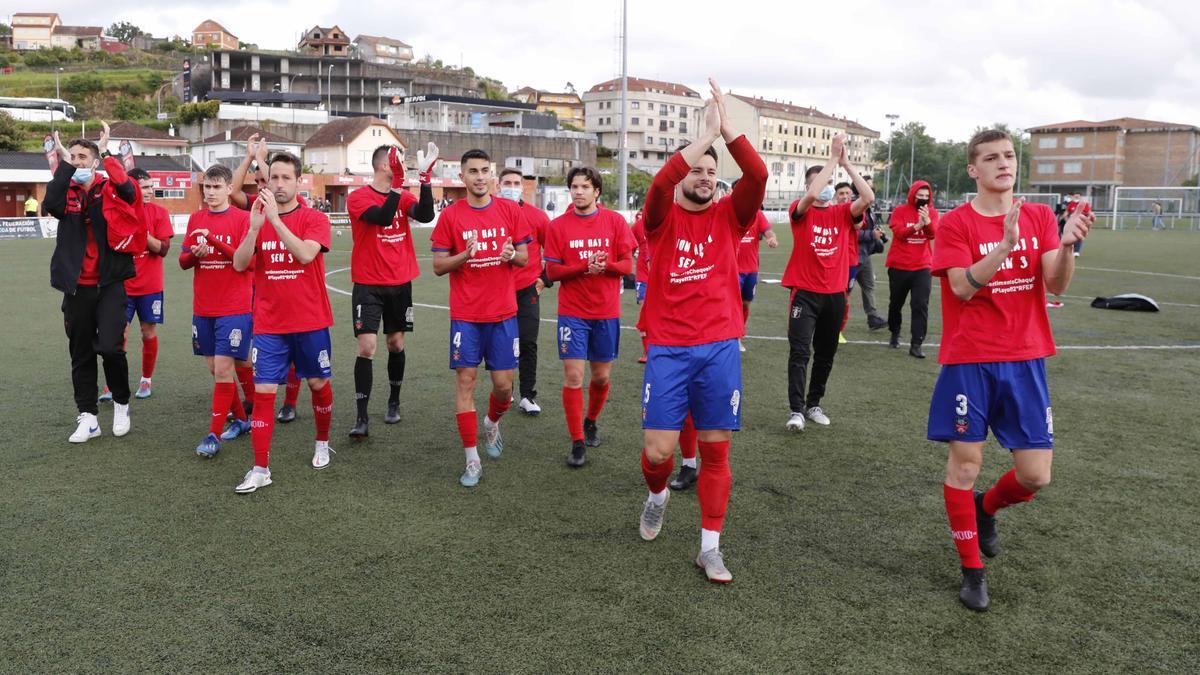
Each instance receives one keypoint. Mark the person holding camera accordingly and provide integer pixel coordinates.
(908, 261)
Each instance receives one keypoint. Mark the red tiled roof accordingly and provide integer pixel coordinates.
(136, 132)
(637, 84)
(208, 25)
(1118, 123)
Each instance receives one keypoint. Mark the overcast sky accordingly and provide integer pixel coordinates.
(951, 65)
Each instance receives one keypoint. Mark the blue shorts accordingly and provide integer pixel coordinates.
(273, 355)
(497, 344)
(1009, 397)
(748, 282)
(223, 335)
(705, 380)
(640, 289)
(595, 340)
(149, 308)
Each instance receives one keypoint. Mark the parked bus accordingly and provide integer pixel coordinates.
(38, 109)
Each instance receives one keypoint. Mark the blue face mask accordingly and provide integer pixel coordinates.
(82, 176)
(513, 193)
(826, 195)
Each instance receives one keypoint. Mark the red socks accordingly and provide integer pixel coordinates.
(149, 356)
(468, 428)
(745, 315)
(712, 485)
(222, 399)
(645, 344)
(1006, 492)
(322, 405)
(235, 406)
(657, 475)
(293, 388)
(496, 409)
(687, 438)
(573, 408)
(261, 428)
(597, 395)
(960, 508)
(245, 375)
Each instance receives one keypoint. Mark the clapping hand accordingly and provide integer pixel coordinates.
(1012, 229)
(1078, 225)
(425, 161)
(509, 251)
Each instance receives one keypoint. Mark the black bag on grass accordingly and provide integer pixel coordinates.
(1132, 302)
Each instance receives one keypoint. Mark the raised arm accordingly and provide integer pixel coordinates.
(866, 195)
(238, 196)
(1058, 266)
(661, 195)
(821, 179)
(55, 201)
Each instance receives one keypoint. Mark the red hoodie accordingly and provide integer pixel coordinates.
(912, 249)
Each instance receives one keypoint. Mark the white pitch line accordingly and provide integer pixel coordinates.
(1149, 274)
(779, 338)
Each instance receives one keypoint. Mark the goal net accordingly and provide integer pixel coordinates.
(1148, 208)
(1050, 199)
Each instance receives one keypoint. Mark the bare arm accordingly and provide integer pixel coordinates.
(1058, 266)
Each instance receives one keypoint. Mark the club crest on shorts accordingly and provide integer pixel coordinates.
(195, 333)
(456, 355)
(735, 401)
(1049, 421)
(795, 311)
(235, 337)
(408, 315)
(517, 348)
(156, 307)
(323, 359)
(961, 425)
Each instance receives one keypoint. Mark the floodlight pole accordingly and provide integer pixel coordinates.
(621, 151)
(891, 132)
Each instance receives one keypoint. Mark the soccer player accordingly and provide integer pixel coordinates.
(383, 264)
(748, 263)
(478, 241)
(825, 242)
(530, 282)
(286, 244)
(145, 289)
(590, 250)
(996, 257)
(91, 261)
(221, 302)
(693, 319)
(914, 225)
(843, 193)
(641, 275)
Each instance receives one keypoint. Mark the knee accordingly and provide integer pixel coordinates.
(600, 380)
(657, 453)
(366, 351)
(573, 380)
(1034, 480)
(395, 344)
(149, 331)
(502, 390)
(959, 472)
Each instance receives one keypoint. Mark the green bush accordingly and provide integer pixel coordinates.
(133, 109)
(194, 112)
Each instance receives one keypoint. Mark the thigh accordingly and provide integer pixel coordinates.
(110, 315)
(204, 336)
(502, 346)
(749, 283)
(313, 353)
(232, 336)
(604, 340)
(149, 308)
(829, 318)
(802, 318)
(398, 309)
(958, 410)
(366, 305)
(271, 356)
(466, 344)
(573, 337)
(1022, 417)
(665, 388)
(715, 390)
(640, 291)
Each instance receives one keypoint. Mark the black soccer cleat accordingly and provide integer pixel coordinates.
(578, 456)
(286, 414)
(894, 343)
(915, 351)
(684, 479)
(360, 430)
(248, 406)
(590, 437)
(393, 413)
(974, 591)
(989, 538)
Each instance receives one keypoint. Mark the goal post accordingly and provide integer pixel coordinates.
(1147, 208)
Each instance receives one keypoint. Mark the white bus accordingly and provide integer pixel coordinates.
(38, 109)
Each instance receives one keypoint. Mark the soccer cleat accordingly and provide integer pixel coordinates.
(875, 323)
(89, 428)
(235, 428)
(321, 452)
(894, 343)
(470, 477)
(529, 406)
(494, 443)
(651, 521)
(989, 538)
(1053, 304)
(578, 456)
(713, 564)
(120, 419)
(642, 360)
(253, 480)
(393, 413)
(286, 414)
(1076, 254)
(143, 390)
(817, 415)
(915, 351)
(360, 430)
(741, 345)
(685, 478)
(105, 396)
(974, 591)
(841, 338)
(209, 447)
(795, 422)
(590, 435)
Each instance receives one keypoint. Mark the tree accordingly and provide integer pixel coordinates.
(125, 31)
(10, 133)
(5, 29)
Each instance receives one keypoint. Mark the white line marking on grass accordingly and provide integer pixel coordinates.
(1149, 274)
(778, 338)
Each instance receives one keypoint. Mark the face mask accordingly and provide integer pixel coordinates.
(922, 202)
(513, 193)
(82, 176)
(826, 195)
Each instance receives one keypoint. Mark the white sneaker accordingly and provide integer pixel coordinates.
(817, 415)
(253, 480)
(741, 346)
(321, 455)
(795, 422)
(120, 419)
(529, 407)
(89, 427)
(494, 443)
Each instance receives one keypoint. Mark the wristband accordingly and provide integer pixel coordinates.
(105, 155)
(426, 177)
(971, 280)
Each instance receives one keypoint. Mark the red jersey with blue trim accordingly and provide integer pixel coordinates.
(748, 246)
(824, 246)
(382, 256)
(575, 238)
(483, 289)
(217, 288)
(290, 297)
(147, 266)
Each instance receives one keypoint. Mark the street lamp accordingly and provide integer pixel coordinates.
(912, 155)
(887, 190)
(329, 90)
(1020, 142)
(379, 96)
(57, 93)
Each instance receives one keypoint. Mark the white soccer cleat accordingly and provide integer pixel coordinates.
(651, 521)
(795, 422)
(818, 416)
(89, 428)
(120, 419)
(494, 442)
(741, 345)
(713, 564)
(529, 406)
(321, 455)
(253, 480)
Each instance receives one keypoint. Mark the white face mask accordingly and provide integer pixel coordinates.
(513, 193)
(827, 193)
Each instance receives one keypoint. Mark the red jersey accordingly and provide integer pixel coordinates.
(382, 256)
(748, 246)
(537, 221)
(575, 238)
(147, 266)
(912, 249)
(483, 289)
(692, 296)
(643, 251)
(1006, 320)
(290, 297)
(217, 288)
(824, 244)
